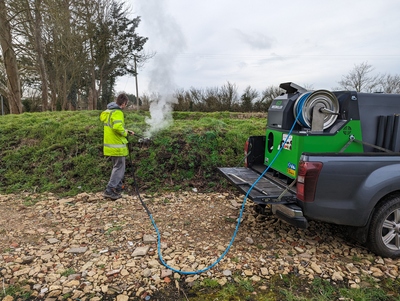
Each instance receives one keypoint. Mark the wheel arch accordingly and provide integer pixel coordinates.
(374, 243)
(362, 232)
(382, 201)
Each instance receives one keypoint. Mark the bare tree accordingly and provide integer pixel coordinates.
(225, 99)
(49, 43)
(3, 78)
(3, 84)
(196, 97)
(30, 26)
(390, 83)
(248, 98)
(10, 62)
(228, 96)
(360, 79)
(211, 100)
(267, 96)
(69, 50)
(185, 102)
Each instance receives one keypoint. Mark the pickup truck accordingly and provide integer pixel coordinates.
(343, 170)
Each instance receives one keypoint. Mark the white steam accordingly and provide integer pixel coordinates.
(166, 40)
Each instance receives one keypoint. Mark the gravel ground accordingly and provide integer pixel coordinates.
(89, 248)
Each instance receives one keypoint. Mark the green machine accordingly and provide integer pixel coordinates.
(328, 122)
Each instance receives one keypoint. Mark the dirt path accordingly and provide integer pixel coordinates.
(88, 247)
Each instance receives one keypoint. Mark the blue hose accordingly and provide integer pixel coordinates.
(299, 108)
(239, 219)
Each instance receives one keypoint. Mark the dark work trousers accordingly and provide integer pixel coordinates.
(117, 173)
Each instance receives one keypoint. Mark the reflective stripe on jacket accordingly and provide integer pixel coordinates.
(115, 142)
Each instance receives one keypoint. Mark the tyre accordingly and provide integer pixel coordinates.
(384, 230)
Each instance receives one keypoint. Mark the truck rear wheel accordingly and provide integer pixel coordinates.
(384, 230)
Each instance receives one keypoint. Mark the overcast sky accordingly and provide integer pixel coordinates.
(259, 43)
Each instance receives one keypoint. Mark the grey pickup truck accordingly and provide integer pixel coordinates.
(331, 157)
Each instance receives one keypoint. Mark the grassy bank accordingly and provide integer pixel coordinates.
(61, 152)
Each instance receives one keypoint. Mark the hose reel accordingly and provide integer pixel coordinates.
(310, 106)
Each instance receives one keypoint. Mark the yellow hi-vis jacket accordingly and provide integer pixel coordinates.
(115, 142)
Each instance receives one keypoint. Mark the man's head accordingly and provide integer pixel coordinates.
(122, 100)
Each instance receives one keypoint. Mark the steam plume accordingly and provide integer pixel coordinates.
(166, 39)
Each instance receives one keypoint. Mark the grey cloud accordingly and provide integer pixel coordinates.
(255, 40)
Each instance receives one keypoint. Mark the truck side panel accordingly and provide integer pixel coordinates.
(349, 186)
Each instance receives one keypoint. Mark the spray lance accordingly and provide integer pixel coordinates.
(142, 139)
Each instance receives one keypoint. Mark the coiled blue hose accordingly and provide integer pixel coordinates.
(299, 108)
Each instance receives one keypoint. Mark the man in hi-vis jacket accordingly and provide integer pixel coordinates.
(115, 144)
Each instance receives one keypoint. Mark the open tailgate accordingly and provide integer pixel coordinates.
(266, 191)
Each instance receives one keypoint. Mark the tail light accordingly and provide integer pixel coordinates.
(307, 178)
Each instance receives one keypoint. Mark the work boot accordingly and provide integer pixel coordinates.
(112, 194)
(119, 190)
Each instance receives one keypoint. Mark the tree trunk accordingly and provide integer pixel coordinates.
(40, 55)
(93, 93)
(53, 96)
(64, 92)
(10, 62)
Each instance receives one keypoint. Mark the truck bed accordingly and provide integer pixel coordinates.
(270, 189)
